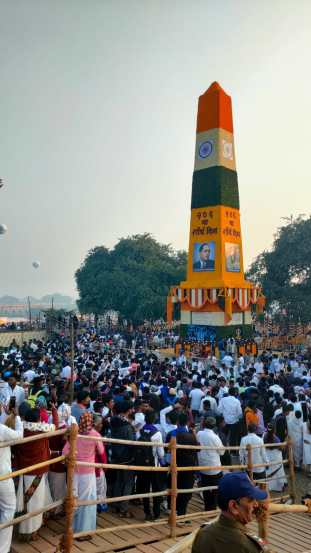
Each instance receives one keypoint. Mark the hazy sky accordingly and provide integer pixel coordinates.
(98, 111)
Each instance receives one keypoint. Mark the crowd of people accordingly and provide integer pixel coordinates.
(7, 325)
(124, 391)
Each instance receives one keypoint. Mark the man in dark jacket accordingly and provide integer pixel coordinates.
(122, 454)
(281, 429)
(153, 457)
(237, 498)
(184, 458)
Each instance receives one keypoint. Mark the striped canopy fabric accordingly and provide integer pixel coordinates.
(198, 298)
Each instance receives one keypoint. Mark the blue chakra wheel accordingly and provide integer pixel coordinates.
(205, 149)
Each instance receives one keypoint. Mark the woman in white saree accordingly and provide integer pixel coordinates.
(275, 470)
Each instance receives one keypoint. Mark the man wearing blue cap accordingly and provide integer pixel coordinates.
(237, 499)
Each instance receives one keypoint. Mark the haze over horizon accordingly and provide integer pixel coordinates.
(98, 115)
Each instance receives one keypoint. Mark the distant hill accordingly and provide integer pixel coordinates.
(9, 300)
(58, 299)
(8, 303)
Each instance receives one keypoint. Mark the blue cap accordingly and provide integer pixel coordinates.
(235, 485)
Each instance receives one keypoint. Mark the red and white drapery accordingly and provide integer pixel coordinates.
(197, 298)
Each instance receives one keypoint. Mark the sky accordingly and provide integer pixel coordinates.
(98, 113)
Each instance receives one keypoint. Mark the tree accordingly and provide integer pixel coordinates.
(133, 278)
(285, 271)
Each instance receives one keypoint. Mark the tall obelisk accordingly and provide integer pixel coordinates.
(215, 295)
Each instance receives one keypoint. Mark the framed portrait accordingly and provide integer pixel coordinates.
(232, 255)
(203, 257)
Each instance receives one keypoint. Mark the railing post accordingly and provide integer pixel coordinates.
(72, 360)
(67, 542)
(173, 490)
(292, 479)
(263, 516)
(249, 461)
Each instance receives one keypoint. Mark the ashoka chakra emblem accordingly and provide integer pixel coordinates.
(205, 149)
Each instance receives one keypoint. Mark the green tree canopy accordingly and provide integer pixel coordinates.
(285, 271)
(133, 278)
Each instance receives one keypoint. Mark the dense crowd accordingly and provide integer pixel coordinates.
(124, 391)
(20, 326)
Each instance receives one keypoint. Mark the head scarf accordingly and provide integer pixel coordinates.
(86, 423)
(64, 412)
(270, 436)
(139, 420)
(41, 402)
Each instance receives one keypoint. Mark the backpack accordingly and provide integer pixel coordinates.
(32, 398)
(143, 453)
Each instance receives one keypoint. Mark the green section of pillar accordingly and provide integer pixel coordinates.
(215, 186)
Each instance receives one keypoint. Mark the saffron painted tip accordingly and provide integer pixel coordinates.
(214, 87)
(214, 110)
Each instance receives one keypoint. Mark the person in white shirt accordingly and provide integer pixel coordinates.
(225, 371)
(210, 457)
(259, 456)
(182, 359)
(195, 396)
(66, 372)
(274, 364)
(194, 365)
(138, 423)
(16, 391)
(276, 389)
(4, 392)
(29, 375)
(306, 460)
(7, 490)
(295, 432)
(33, 346)
(300, 370)
(258, 366)
(167, 426)
(279, 410)
(212, 400)
(297, 406)
(200, 366)
(230, 407)
(124, 372)
(211, 361)
(227, 360)
(294, 365)
(223, 389)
